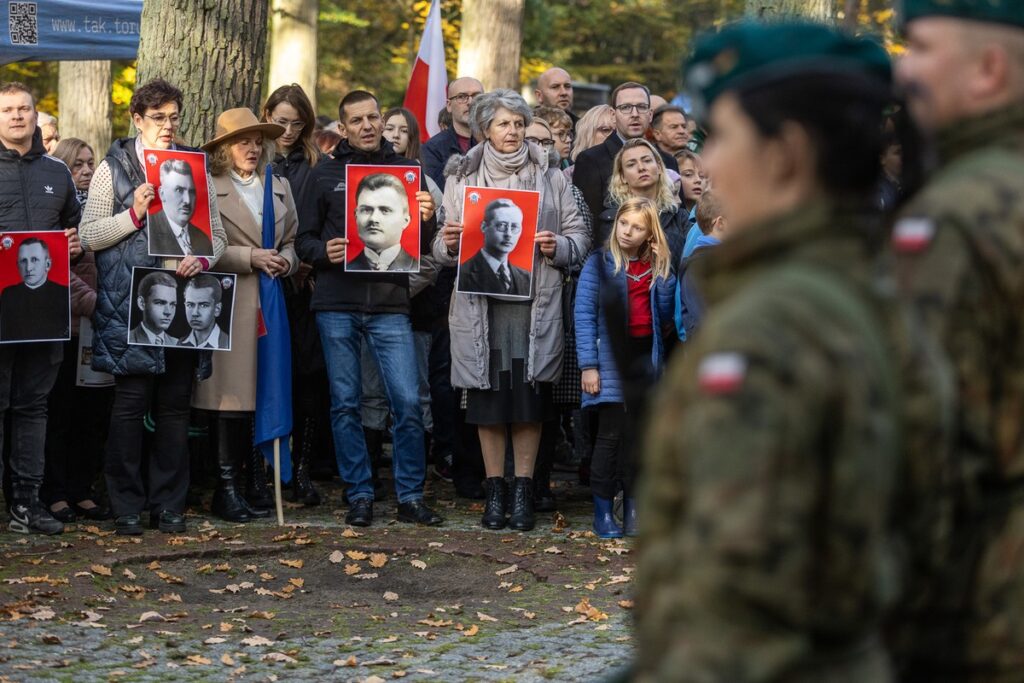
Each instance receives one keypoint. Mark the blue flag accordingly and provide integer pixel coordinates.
(53, 30)
(273, 355)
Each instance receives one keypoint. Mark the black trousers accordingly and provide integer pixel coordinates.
(167, 397)
(76, 429)
(615, 445)
(27, 374)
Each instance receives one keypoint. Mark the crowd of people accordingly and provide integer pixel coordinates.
(829, 485)
(459, 382)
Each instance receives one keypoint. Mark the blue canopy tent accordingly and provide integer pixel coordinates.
(69, 30)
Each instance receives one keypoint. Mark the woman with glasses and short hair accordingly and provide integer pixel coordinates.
(148, 379)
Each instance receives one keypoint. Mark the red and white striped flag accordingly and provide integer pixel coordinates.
(428, 86)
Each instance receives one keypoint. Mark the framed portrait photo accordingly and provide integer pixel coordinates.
(168, 310)
(496, 252)
(179, 215)
(382, 224)
(35, 287)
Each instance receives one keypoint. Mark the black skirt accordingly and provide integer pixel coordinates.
(510, 399)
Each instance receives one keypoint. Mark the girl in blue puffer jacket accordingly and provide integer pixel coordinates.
(635, 265)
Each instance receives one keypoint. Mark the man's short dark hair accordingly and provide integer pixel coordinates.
(660, 112)
(12, 87)
(153, 95)
(628, 85)
(176, 166)
(355, 97)
(35, 240)
(206, 281)
(152, 280)
(378, 181)
(503, 203)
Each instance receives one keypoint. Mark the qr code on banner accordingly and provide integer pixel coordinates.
(24, 23)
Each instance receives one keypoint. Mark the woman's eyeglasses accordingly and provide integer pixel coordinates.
(547, 142)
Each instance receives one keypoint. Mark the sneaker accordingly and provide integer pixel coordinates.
(33, 518)
(443, 467)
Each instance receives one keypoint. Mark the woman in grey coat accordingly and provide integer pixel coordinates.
(507, 352)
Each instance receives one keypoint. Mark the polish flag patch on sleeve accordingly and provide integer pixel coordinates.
(911, 235)
(722, 373)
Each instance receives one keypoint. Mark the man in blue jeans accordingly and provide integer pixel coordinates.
(351, 307)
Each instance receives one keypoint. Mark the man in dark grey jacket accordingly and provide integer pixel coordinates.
(36, 193)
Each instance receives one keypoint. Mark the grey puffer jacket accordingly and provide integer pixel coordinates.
(467, 315)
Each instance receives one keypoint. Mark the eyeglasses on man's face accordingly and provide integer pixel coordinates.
(464, 97)
(629, 108)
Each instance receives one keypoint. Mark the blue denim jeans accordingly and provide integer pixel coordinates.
(391, 343)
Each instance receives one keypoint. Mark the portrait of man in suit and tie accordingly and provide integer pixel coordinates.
(489, 270)
(157, 299)
(203, 305)
(37, 308)
(171, 231)
(382, 217)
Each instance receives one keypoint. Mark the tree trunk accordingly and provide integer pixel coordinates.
(83, 98)
(819, 10)
(213, 50)
(490, 42)
(293, 26)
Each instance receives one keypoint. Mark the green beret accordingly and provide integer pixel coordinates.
(749, 53)
(996, 11)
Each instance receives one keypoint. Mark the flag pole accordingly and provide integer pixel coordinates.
(277, 482)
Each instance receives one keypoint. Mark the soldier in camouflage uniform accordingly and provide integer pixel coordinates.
(775, 464)
(960, 259)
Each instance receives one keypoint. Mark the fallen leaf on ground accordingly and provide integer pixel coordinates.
(101, 570)
(226, 660)
(214, 641)
(298, 583)
(128, 574)
(351, 569)
(50, 639)
(43, 614)
(356, 554)
(471, 631)
(367, 576)
(169, 597)
(516, 589)
(277, 657)
(553, 550)
(294, 564)
(226, 627)
(589, 611)
(378, 560)
(390, 596)
(349, 533)
(507, 570)
(419, 564)
(170, 578)
(262, 615)
(257, 641)
(151, 616)
(351, 661)
(389, 639)
(153, 566)
(336, 557)
(626, 604)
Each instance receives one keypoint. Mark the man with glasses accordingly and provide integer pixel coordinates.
(147, 379)
(458, 138)
(631, 102)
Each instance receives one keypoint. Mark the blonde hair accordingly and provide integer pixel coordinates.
(586, 127)
(618, 190)
(219, 162)
(660, 265)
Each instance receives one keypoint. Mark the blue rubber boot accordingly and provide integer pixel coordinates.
(604, 521)
(629, 516)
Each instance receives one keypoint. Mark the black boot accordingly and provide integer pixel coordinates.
(494, 508)
(257, 492)
(227, 503)
(522, 517)
(303, 490)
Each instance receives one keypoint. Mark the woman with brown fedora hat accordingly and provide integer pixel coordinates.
(237, 158)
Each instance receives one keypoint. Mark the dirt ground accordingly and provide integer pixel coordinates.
(317, 600)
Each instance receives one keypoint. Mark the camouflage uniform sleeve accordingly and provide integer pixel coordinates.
(730, 489)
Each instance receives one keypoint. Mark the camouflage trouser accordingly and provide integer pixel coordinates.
(973, 629)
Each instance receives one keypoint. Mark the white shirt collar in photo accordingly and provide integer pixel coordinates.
(181, 235)
(154, 338)
(495, 263)
(384, 259)
(212, 342)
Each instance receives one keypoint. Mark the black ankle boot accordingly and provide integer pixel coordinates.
(227, 503)
(494, 508)
(303, 490)
(257, 492)
(522, 517)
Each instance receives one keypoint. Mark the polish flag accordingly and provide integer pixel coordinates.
(722, 373)
(428, 86)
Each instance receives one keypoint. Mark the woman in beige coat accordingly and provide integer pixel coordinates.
(238, 157)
